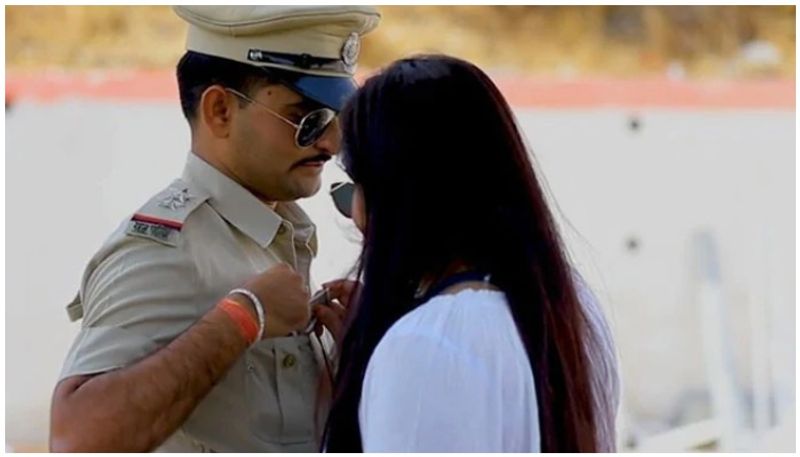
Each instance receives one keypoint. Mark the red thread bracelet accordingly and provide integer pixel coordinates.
(243, 319)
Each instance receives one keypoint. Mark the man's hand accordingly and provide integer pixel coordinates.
(284, 296)
(333, 315)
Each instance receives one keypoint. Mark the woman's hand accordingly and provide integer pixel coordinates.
(333, 314)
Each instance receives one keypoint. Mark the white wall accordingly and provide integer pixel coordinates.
(74, 169)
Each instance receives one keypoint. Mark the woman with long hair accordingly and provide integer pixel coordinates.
(471, 330)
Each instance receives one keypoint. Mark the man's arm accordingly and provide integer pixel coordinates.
(138, 407)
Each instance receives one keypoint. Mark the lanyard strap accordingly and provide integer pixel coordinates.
(446, 283)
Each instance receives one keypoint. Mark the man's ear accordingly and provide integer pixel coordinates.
(216, 110)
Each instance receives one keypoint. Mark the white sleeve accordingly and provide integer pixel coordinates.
(421, 393)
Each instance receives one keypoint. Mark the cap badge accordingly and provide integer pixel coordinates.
(350, 50)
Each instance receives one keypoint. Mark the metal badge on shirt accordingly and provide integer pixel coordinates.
(155, 230)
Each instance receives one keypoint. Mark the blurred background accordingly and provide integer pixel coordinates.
(666, 136)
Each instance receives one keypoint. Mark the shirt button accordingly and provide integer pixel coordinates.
(289, 361)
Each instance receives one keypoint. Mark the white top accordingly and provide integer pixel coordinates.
(451, 376)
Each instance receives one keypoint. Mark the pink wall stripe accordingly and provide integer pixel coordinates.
(160, 86)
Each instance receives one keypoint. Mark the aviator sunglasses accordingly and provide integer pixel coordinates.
(342, 195)
(308, 130)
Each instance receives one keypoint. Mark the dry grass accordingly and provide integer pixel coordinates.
(542, 40)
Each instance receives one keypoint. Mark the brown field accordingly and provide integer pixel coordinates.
(697, 41)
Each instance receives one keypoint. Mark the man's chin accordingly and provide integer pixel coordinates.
(308, 189)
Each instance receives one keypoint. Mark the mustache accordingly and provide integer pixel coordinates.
(317, 158)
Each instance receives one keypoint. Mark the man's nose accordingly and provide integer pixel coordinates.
(331, 140)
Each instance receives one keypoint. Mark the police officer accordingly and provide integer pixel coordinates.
(194, 310)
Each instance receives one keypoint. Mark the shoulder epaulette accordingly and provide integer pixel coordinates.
(161, 219)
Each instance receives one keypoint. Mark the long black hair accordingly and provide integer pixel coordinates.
(446, 177)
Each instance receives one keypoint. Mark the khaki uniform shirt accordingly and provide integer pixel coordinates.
(168, 265)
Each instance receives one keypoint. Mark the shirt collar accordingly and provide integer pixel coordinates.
(305, 232)
(241, 208)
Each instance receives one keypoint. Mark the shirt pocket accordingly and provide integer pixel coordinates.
(281, 390)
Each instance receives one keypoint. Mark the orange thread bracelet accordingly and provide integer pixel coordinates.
(243, 319)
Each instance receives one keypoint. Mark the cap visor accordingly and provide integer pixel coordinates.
(330, 91)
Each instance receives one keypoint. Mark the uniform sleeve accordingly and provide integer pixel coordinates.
(421, 394)
(137, 299)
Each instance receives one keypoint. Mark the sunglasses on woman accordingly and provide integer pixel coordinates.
(342, 195)
(311, 126)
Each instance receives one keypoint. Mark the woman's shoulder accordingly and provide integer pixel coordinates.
(468, 325)
(451, 313)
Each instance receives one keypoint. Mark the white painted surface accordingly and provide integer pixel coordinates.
(74, 169)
